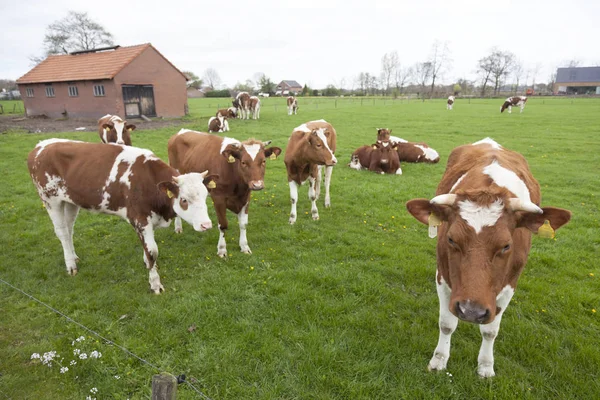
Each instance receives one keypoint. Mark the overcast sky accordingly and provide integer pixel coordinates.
(319, 42)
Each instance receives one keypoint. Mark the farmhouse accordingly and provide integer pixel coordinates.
(288, 87)
(577, 80)
(127, 81)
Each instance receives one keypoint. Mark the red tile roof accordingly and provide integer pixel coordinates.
(80, 67)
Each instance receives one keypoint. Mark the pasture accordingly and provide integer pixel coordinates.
(340, 308)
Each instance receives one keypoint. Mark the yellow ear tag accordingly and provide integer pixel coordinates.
(211, 185)
(434, 222)
(273, 156)
(546, 231)
(230, 159)
(170, 194)
(129, 129)
(374, 147)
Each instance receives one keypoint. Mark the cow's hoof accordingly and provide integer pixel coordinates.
(158, 289)
(72, 270)
(246, 250)
(315, 217)
(178, 230)
(222, 254)
(486, 370)
(437, 363)
(292, 219)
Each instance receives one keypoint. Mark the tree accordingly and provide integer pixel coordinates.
(265, 85)
(389, 65)
(193, 81)
(552, 81)
(330, 90)
(456, 89)
(518, 71)
(305, 90)
(439, 61)
(248, 86)
(484, 68)
(401, 77)
(212, 78)
(422, 74)
(495, 66)
(75, 32)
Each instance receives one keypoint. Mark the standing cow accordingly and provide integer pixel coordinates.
(413, 152)
(239, 165)
(310, 149)
(514, 101)
(292, 104)
(218, 124)
(381, 157)
(119, 180)
(112, 129)
(485, 209)
(450, 103)
(242, 105)
(254, 107)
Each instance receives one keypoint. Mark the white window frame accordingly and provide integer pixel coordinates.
(29, 92)
(99, 90)
(50, 91)
(73, 91)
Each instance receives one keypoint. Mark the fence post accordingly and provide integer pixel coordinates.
(164, 387)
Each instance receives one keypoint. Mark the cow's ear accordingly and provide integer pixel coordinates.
(130, 127)
(270, 151)
(532, 221)
(170, 188)
(107, 126)
(390, 131)
(421, 209)
(210, 181)
(231, 154)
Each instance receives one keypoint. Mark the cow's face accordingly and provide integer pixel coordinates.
(236, 103)
(479, 241)
(383, 134)
(386, 152)
(118, 132)
(505, 106)
(318, 149)
(250, 160)
(188, 193)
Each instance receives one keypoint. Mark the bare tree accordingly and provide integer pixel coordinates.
(552, 81)
(75, 32)
(503, 62)
(193, 80)
(422, 72)
(484, 68)
(401, 76)
(439, 60)
(535, 70)
(518, 71)
(389, 65)
(211, 78)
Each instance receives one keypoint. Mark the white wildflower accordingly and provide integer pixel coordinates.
(95, 354)
(117, 377)
(76, 351)
(80, 339)
(94, 390)
(63, 370)
(83, 356)
(35, 355)
(73, 362)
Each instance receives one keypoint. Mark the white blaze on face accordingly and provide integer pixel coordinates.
(489, 141)
(430, 153)
(252, 150)
(321, 135)
(227, 141)
(192, 189)
(508, 179)
(118, 124)
(478, 216)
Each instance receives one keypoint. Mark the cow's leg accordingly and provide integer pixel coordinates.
(485, 361)
(146, 235)
(319, 179)
(447, 323)
(258, 112)
(178, 226)
(56, 211)
(243, 223)
(328, 172)
(294, 201)
(221, 209)
(522, 107)
(312, 195)
(225, 126)
(289, 110)
(70, 213)
(509, 109)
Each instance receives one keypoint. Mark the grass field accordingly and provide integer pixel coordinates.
(340, 308)
(11, 107)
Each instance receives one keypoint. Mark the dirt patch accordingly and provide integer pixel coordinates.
(49, 125)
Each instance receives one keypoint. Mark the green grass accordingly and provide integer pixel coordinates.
(11, 107)
(344, 307)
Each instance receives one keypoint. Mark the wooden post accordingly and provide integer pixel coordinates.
(164, 387)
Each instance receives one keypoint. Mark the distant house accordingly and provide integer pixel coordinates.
(288, 87)
(577, 80)
(126, 81)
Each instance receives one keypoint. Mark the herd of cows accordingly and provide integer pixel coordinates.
(486, 207)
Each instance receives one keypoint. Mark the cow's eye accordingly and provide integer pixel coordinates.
(506, 248)
(452, 242)
(184, 201)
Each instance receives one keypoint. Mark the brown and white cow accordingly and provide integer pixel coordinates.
(380, 157)
(239, 165)
(413, 152)
(230, 112)
(485, 209)
(118, 180)
(310, 149)
(218, 124)
(112, 129)
(450, 103)
(254, 107)
(292, 104)
(514, 101)
(242, 105)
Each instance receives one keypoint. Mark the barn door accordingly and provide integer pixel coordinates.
(139, 100)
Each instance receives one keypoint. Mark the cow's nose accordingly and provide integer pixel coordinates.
(120, 142)
(472, 312)
(257, 185)
(384, 161)
(334, 160)
(205, 226)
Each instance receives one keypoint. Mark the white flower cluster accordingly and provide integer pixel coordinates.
(46, 358)
(83, 356)
(63, 369)
(79, 339)
(95, 354)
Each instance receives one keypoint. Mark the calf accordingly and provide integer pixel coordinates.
(112, 129)
(513, 101)
(230, 112)
(381, 157)
(241, 169)
(485, 209)
(125, 181)
(254, 107)
(450, 102)
(218, 124)
(310, 148)
(409, 151)
(292, 104)
(242, 105)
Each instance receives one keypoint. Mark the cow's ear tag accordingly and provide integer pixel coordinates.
(545, 231)
(230, 159)
(434, 222)
(374, 147)
(129, 129)
(211, 185)
(170, 194)
(273, 156)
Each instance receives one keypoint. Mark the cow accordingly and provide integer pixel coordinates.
(485, 209)
(292, 104)
(218, 124)
(118, 180)
(310, 148)
(450, 103)
(381, 157)
(112, 129)
(241, 170)
(513, 101)
(230, 112)
(254, 107)
(242, 104)
(412, 152)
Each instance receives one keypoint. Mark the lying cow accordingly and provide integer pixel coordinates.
(254, 107)
(242, 105)
(485, 209)
(409, 151)
(292, 104)
(381, 157)
(514, 101)
(239, 165)
(310, 149)
(119, 180)
(450, 103)
(112, 129)
(218, 124)
(230, 112)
